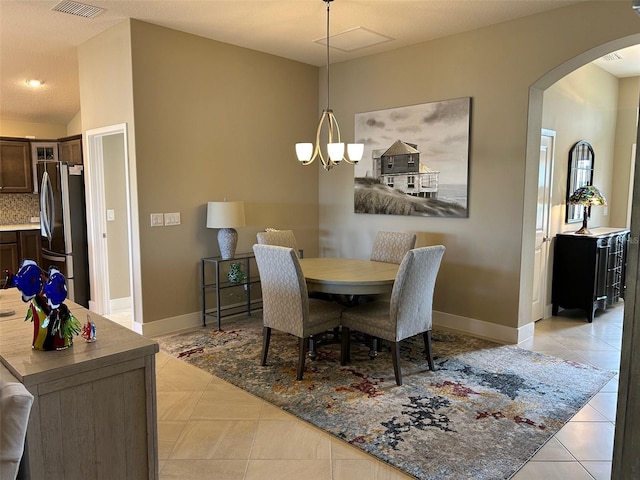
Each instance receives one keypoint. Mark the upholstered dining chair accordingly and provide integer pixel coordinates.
(407, 313)
(281, 238)
(286, 305)
(391, 247)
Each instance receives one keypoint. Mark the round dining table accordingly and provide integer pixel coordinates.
(348, 276)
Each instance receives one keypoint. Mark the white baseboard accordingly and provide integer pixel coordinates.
(471, 326)
(480, 328)
(167, 326)
(189, 321)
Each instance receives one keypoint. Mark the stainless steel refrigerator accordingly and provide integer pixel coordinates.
(63, 225)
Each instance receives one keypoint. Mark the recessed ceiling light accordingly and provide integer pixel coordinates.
(34, 83)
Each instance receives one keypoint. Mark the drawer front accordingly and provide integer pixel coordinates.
(8, 237)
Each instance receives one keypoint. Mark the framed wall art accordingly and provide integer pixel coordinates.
(415, 161)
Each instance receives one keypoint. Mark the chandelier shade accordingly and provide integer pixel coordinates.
(334, 151)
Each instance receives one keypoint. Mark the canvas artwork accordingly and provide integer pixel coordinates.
(415, 161)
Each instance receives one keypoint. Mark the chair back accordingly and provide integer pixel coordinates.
(281, 238)
(412, 295)
(391, 247)
(285, 302)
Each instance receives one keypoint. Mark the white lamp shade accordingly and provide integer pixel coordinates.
(355, 151)
(304, 151)
(225, 215)
(336, 151)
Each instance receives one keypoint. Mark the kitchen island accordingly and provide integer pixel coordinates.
(94, 413)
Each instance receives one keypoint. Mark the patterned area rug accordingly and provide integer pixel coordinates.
(482, 414)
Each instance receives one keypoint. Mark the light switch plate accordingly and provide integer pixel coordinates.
(111, 215)
(157, 220)
(172, 218)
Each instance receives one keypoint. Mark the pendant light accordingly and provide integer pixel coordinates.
(334, 154)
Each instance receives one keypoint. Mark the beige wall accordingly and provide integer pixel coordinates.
(48, 131)
(215, 121)
(583, 106)
(626, 130)
(480, 276)
(74, 127)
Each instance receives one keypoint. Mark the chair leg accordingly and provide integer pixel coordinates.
(427, 347)
(303, 344)
(345, 350)
(373, 347)
(266, 337)
(395, 354)
(312, 348)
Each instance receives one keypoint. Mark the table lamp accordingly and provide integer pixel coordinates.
(226, 216)
(587, 196)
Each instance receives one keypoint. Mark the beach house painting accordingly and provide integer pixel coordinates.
(415, 161)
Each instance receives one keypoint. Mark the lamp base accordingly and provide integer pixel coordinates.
(227, 241)
(584, 230)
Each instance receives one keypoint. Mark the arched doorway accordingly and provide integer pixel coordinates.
(625, 460)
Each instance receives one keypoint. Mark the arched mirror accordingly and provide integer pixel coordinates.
(581, 161)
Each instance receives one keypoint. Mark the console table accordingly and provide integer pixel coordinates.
(94, 413)
(589, 270)
(218, 281)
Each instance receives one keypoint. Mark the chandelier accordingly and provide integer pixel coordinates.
(334, 154)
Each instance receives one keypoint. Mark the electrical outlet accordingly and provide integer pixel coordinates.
(172, 218)
(157, 220)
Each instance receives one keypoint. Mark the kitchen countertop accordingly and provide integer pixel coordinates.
(19, 226)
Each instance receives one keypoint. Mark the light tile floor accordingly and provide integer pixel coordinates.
(211, 429)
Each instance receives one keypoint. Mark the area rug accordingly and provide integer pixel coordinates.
(483, 413)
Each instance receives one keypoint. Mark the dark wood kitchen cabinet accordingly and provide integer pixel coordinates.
(9, 256)
(70, 150)
(589, 270)
(16, 173)
(30, 246)
(17, 245)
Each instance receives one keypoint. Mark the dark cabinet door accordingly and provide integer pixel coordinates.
(70, 151)
(8, 259)
(30, 245)
(15, 167)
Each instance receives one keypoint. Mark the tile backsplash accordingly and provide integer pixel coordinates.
(17, 208)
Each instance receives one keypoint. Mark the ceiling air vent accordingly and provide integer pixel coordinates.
(79, 9)
(610, 57)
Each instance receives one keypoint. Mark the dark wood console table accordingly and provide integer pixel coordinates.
(589, 270)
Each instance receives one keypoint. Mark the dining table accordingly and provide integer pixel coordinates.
(347, 280)
(348, 276)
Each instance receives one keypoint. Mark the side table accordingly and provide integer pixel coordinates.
(218, 268)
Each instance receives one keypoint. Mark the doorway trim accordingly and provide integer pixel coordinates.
(97, 223)
(541, 306)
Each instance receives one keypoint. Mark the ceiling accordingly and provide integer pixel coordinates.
(37, 42)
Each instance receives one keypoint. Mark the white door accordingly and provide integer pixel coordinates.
(542, 241)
